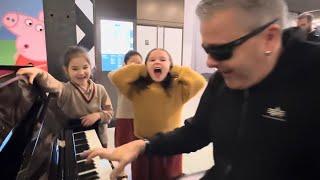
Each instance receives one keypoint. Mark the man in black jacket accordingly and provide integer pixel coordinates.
(305, 23)
(260, 109)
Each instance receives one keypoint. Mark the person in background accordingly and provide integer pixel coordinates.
(158, 90)
(79, 98)
(293, 33)
(260, 110)
(124, 113)
(304, 22)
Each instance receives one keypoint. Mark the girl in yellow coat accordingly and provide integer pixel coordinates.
(158, 90)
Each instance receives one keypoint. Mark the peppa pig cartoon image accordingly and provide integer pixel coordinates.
(30, 38)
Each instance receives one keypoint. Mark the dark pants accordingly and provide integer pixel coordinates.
(156, 167)
(144, 167)
(123, 132)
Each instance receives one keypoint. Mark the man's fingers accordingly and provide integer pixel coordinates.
(118, 170)
(92, 155)
(120, 167)
(97, 152)
(85, 153)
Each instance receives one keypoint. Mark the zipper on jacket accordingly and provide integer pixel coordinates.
(239, 136)
(244, 111)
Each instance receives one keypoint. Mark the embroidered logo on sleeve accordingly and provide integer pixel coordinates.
(275, 113)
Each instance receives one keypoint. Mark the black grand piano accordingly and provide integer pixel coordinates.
(37, 141)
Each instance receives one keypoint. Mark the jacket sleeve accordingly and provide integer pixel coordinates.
(126, 75)
(190, 81)
(189, 138)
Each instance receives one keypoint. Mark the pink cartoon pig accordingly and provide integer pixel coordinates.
(30, 38)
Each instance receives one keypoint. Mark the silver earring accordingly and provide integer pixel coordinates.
(267, 53)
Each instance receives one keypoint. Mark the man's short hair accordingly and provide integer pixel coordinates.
(307, 16)
(258, 12)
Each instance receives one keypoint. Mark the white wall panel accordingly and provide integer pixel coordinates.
(173, 43)
(146, 39)
(160, 37)
(193, 54)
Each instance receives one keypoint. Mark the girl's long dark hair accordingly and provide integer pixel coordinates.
(142, 82)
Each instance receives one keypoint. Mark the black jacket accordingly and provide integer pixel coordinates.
(268, 132)
(314, 36)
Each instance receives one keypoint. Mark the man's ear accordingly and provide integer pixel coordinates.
(272, 37)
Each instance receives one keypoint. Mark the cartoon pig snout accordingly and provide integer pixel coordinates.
(10, 19)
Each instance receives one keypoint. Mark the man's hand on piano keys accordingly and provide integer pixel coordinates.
(124, 154)
(89, 119)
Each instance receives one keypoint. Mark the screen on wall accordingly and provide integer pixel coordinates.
(116, 41)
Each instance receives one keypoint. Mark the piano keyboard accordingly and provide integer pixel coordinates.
(100, 168)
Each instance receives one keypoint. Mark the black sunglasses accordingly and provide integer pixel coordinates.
(224, 52)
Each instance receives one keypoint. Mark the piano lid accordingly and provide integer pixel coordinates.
(29, 121)
(9, 69)
(19, 105)
(39, 151)
(17, 98)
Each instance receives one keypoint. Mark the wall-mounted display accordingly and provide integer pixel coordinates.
(116, 41)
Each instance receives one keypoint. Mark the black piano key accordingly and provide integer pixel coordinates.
(80, 141)
(92, 174)
(83, 166)
(82, 148)
(78, 157)
(80, 135)
(86, 168)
